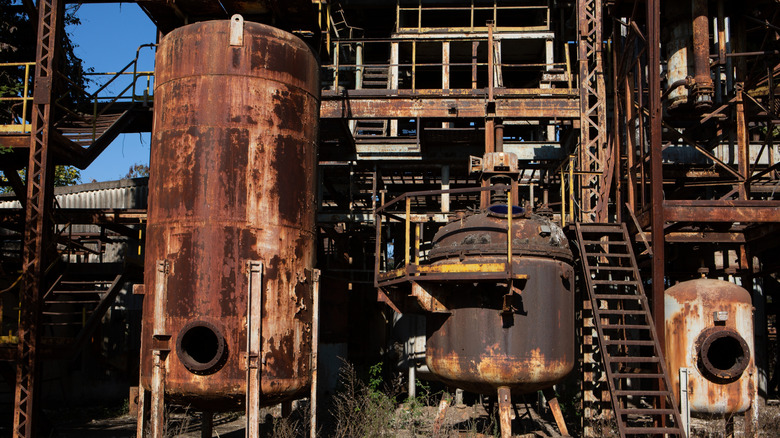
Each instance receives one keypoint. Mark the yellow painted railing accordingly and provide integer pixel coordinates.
(20, 122)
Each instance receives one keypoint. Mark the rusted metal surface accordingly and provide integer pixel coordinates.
(709, 327)
(233, 180)
(498, 334)
(379, 104)
(656, 161)
(703, 89)
(505, 411)
(676, 37)
(721, 211)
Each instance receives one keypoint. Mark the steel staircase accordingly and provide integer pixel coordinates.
(642, 398)
(373, 78)
(76, 302)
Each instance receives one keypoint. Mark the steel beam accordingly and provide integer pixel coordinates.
(541, 104)
(38, 226)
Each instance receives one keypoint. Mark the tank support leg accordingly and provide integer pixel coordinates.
(505, 411)
(552, 402)
(158, 396)
(206, 424)
(315, 346)
(253, 356)
(143, 405)
(440, 415)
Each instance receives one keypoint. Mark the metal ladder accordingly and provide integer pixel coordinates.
(642, 397)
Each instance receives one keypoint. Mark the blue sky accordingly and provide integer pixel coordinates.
(107, 40)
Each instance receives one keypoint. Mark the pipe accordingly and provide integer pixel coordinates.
(499, 129)
(703, 88)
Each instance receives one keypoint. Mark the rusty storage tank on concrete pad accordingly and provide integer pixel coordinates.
(709, 330)
(233, 164)
(480, 347)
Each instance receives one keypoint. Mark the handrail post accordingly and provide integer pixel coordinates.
(408, 229)
(24, 96)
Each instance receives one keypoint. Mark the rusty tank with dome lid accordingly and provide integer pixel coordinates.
(516, 333)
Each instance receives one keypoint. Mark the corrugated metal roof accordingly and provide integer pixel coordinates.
(123, 193)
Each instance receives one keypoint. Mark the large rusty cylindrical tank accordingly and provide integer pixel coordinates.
(233, 162)
(480, 346)
(709, 331)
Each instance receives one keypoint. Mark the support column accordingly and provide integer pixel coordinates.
(394, 59)
(315, 346)
(656, 170)
(254, 359)
(445, 185)
(505, 411)
(38, 226)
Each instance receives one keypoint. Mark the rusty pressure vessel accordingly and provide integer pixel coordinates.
(232, 182)
(709, 331)
(523, 340)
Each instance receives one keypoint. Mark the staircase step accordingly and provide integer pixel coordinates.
(632, 359)
(628, 342)
(601, 228)
(612, 268)
(607, 242)
(604, 254)
(643, 411)
(652, 431)
(639, 375)
(603, 312)
(615, 282)
(640, 392)
(618, 297)
(625, 326)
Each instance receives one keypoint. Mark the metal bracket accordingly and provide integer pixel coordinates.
(237, 30)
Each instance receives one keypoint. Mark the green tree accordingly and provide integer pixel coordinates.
(138, 170)
(63, 176)
(18, 36)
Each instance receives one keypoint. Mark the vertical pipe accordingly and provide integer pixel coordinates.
(499, 129)
(721, 23)
(571, 189)
(743, 146)
(417, 237)
(630, 145)
(509, 233)
(445, 185)
(445, 65)
(474, 47)
(616, 143)
(568, 64)
(490, 135)
(359, 66)
(563, 197)
(490, 61)
(414, 65)
(336, 65)
(394, 58)
(701, 55)
(408, 230)
(656, 171)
